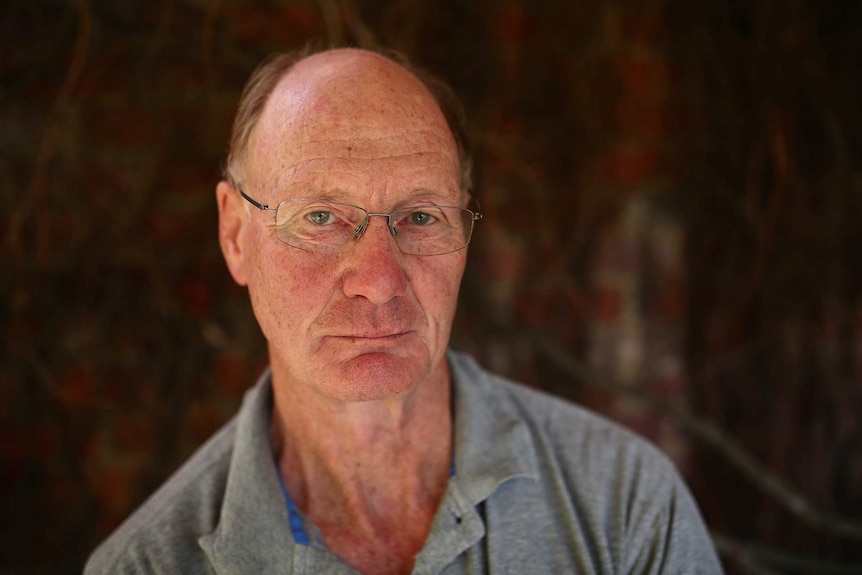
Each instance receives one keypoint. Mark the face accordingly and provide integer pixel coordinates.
(369, 323)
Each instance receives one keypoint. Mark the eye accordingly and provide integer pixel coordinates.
(320, 217)
(421, 218)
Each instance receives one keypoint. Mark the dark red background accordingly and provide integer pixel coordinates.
(672, 192)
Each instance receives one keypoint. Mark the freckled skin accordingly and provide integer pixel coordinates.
(378, 157)
(362, 424)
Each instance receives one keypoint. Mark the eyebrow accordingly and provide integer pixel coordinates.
(312, 192)
(417, 196)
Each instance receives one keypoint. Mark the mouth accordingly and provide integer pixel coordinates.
(372, 337)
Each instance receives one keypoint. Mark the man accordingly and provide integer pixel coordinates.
(368, 447)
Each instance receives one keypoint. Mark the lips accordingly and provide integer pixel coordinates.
(373, 335)
(356, 320)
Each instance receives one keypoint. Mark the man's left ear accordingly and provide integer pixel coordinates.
(232, 219)
(470, 202)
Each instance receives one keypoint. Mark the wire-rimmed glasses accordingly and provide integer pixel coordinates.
(332, 227)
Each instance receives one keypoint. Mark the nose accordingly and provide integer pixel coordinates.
(373, 267)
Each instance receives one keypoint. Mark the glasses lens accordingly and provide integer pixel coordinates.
(432, 230)
(323, 227)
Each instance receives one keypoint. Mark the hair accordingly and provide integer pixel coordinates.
(266, 76)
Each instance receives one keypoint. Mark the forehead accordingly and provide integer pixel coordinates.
(354, 113)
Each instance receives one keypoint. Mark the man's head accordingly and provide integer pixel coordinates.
(265, 78)
(354, 127)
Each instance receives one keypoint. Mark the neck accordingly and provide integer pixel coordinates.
(363, 470)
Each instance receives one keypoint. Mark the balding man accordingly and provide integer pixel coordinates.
(367, 446)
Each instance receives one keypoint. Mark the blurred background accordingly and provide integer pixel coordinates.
(673, 213)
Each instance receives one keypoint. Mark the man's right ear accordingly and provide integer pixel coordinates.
(232, 220)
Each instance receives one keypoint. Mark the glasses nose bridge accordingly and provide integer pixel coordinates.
(368, 215)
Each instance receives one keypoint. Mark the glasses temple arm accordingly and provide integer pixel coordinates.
(252, 201)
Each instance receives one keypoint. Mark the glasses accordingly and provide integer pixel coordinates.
(332, 227)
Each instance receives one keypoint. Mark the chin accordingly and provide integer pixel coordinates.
(375, 376)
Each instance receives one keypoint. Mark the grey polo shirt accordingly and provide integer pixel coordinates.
(540, 486)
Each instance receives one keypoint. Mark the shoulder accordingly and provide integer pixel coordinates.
(595, 474)
(561, 428)
(596, 458)
(162, 535)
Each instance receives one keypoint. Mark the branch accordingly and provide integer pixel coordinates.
(207, 44)
(713, 436)
(49, 383)
(753, 557)
(49, 140)
(334, 24)
(357, 26)
(741, 555)
(768, 220)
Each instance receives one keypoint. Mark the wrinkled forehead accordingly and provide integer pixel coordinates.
(349, 104)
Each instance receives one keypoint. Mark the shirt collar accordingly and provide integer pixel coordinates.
(253, 526)
(492, 442)
(492, 446)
